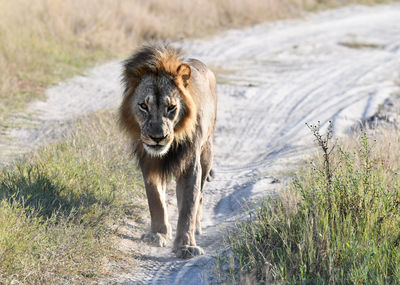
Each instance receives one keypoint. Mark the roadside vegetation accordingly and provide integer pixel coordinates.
(46, 41)
(60, 207)
(338, 223)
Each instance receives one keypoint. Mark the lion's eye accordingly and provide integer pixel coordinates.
(171, 108)
(143, 106)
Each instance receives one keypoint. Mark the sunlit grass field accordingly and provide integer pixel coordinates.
(59, 204)
(45, 41)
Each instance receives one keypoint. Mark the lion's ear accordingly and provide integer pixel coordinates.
(130, 78)
(184, 73)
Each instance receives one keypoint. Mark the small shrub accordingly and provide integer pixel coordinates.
(338, 223)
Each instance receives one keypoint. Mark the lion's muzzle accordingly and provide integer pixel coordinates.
(156, 150)
(158, 139)
(156, 146)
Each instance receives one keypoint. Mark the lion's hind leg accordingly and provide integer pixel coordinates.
(199, 215)
(206, 172)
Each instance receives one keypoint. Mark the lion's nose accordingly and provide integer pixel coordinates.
(158, 139)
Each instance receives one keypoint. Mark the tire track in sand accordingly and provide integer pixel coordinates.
(283, 75)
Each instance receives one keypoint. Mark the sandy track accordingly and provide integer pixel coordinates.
(337, 65)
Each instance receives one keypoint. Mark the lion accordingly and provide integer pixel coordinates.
(169, 110)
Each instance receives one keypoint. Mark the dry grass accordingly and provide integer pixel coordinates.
(58, 205)
(55, 209)
(338, 223)
(44, 41)
(360, 45)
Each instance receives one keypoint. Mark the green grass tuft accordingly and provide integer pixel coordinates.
(337, 224)
(57, 207)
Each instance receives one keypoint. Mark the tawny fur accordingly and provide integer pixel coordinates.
(189, 157)
(157, 60)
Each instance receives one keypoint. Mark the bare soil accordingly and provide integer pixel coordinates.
(339, 66)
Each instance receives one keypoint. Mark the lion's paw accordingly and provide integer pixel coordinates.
(156, 239)
(189, 251)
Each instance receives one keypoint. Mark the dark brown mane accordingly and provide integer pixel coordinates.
(155, 78)
(155, 59)
(158, 60)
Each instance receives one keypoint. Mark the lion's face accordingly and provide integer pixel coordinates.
(157, 108)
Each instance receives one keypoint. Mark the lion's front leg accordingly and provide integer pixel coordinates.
(160, 227)
(188, 187)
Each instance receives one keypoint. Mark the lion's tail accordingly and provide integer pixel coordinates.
(211, 175)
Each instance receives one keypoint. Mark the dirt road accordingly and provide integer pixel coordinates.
(337, 65)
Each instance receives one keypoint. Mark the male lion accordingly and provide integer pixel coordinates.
(169, 110)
